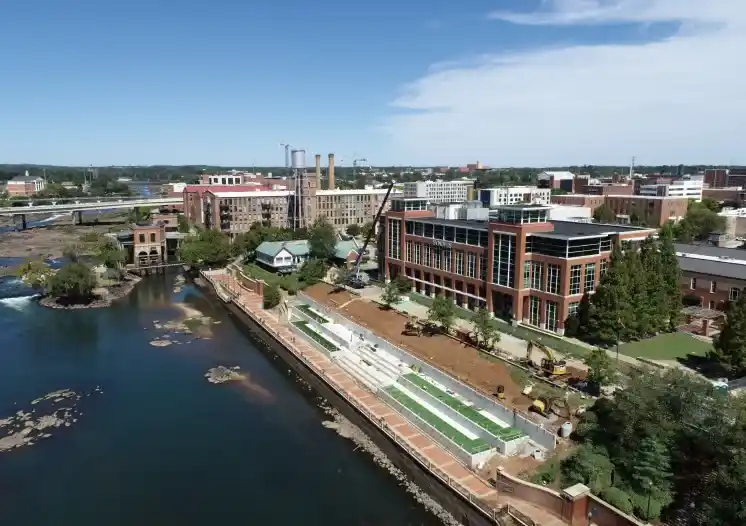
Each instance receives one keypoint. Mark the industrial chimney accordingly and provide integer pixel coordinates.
(331, 171)
(318, 171)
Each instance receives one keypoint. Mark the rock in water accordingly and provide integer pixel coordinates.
(161, 343)
(221, 374)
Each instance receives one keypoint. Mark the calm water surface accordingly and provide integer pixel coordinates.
(161, 445)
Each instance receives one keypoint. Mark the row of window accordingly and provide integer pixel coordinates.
(562, 248)
(465, 236)
(442, 258)
(551, 310)
(733, 292)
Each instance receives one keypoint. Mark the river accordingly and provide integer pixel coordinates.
(161, 445)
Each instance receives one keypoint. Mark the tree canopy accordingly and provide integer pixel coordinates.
(391, 295)
(74, 283)
(322, 239)
(206, 248)
(638, 295)
(700, 221)
(729, 347)
(35, 273)
(442, 311)
(485, 333)
(604, 214)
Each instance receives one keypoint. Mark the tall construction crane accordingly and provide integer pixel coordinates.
(356, 282)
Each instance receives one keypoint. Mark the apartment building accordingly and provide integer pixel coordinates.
(234, 212)
(585, 200)
(710, 275)
(519, 265)
(350, 207)
(194, 198)
(511, 195)
(440, 191)
(25, 185)
(688, 188)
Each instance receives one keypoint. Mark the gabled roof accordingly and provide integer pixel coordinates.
(26, 179)
(272, 248)
(343, 248)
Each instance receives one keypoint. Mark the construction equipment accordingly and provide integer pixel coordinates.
(500, 393)
(549, 365)
(413, 326)
(356, 281)
(545, 405)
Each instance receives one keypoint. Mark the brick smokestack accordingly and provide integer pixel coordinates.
(318, 171)
(331, 171)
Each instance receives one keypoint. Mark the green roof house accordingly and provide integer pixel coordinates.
(281, 255)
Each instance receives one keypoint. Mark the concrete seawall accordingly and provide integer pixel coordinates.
(456, 504)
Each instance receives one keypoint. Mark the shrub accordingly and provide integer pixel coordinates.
(619, 499)
(272, 296)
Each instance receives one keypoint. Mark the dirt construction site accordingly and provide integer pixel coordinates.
(448, 354)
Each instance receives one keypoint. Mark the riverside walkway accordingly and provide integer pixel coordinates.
(430, 454)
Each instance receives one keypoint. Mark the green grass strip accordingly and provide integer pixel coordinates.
(306, 309)
(315, 336)
(454, 435)
(470, 413)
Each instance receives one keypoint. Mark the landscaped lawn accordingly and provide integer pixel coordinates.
(668, 346)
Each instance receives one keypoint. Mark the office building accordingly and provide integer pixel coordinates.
(557, 180)
(688, 188)
(654, 211)
(511, 195)
(25, 185)
(440, 191)
(518, 265)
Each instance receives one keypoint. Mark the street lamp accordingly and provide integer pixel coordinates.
(650, 493)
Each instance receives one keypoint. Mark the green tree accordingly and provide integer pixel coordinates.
(322, 239)
(486, 335)
(729, 347)
(699, 222)
(139, 214)
(312, 271)
(652, 468)
(74, 283)
(669, 278)
(73, 251)
(110, 255)
(272, 296)
(35, 273)
(183, 224)
(601, 368)
(391, 295)
(656, 302)
(368, 228)
(604, 214)
(618, 498)
(590, 466)
(206, 248)
(442, 311)
(342, 277)
(402, 283)
(353, 230)
(611, 310)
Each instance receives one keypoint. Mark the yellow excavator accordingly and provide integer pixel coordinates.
(549, 365)
(413, 326)
(544, 405)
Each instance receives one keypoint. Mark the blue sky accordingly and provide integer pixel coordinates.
(223, 82)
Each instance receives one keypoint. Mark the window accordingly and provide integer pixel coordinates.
(590, 277)
(692, 283)
(503, 268)
(142, 238)
(537, 275)
(418, 253)
(527, 275)
(713, 286)
(575, 271)
(551, 315)
(471, 267)
(408, 250)
(394, 238)
(428, 255)
(602, 269)
(733, 293)
(461, 235)
(533, 315)
(482, 267)
(554, 274)
(460, 262)
(712, 305)
(572, 309)
(418, 229)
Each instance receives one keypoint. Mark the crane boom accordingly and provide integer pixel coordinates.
(355, 275)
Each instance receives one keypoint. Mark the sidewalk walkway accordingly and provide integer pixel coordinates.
(436, 458)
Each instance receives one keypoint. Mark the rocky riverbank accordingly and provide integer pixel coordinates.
(103, 296)
(27, 428)
(347, 429)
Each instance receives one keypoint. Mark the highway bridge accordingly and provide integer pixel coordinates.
(84, 205)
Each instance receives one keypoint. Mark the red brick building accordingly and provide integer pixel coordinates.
(25, 185)
(519, 265)
(591, 201)
(716, 177)
(715, 276)
(653, 210)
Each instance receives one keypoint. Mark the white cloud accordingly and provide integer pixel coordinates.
(677, 100)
